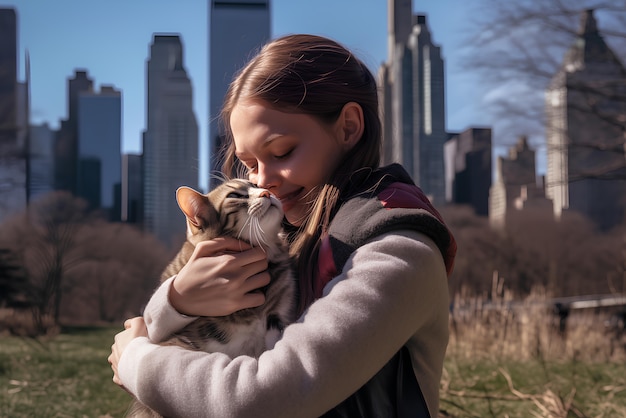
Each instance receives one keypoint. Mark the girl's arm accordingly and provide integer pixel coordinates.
(162, 319)
(392, 290)
(217, 280)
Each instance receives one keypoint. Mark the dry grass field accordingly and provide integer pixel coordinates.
(518, 360)
(501, 362)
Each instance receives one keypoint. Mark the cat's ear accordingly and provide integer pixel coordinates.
(196, 207)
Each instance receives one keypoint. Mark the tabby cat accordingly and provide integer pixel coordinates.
(238, 209)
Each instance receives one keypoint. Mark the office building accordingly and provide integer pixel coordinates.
(13, 164)
(99, 169)
(468, 169)
(515, 187)
(132, 189)
(8, 76)
(584, 133)
(413, 100)
(41, 165)
(66, 143)
(170, 141)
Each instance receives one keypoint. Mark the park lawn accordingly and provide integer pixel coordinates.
(68, 376)
(65, 376)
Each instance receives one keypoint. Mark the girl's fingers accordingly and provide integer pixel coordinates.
(255, 282)
(129, 323)
(249, 270)
(220, 245)
(252, 300)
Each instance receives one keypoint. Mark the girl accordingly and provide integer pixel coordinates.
(373, 257)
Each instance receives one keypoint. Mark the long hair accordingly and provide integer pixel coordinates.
(316, 76)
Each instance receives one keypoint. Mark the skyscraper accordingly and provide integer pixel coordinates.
(170, 141)
(8, 76)
(132, 189)
(42, 160)
(586, 168)
(66, 144)
(468, 169)
(413, 100)
(13, 164)
(99, 148)
(237, 28)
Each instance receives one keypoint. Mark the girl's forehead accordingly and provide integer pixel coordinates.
(257, 121)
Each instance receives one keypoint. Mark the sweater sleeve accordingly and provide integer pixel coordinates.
(392, 290)
(162, 320)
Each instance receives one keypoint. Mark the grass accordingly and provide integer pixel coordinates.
(517, 362)
(491, 370)
(64, 376)
(532, 388)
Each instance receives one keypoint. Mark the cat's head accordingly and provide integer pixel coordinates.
(235, 208)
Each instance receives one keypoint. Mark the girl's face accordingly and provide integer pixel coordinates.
(290, 154)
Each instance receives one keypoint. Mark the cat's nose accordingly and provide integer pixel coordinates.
(265, 193)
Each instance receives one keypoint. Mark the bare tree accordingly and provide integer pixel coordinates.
(56, 220)
(119, 269)
(478, 250)
(564, 258)
(79, 268)
(44, 238)
(520, 46)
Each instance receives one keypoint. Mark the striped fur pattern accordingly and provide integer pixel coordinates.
(238, 209)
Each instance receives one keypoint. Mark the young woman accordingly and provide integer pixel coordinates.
(373, 257)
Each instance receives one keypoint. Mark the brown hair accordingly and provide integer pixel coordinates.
(315, 76)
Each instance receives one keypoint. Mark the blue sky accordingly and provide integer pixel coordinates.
(111, 39)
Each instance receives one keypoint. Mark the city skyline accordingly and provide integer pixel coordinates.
(118, 57)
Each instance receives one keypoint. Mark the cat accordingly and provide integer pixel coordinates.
(238, 209)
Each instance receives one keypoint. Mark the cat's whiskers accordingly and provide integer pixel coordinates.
(243, 227)
(256, 231)
(256, 235)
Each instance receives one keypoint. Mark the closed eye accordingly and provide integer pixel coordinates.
(236, 195)
(283, 156)
(249, 166)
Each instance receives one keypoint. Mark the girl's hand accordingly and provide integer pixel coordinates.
(222, 276)
(133, 328)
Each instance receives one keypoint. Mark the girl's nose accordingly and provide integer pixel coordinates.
(265, 177)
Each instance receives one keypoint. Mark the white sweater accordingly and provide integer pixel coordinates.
(393, 291)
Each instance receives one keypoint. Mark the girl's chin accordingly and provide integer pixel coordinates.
(294, 217)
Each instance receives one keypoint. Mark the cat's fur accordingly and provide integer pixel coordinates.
(238, 209)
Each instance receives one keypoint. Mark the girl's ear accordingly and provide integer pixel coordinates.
(351, 125)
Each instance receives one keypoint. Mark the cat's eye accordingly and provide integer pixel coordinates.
(237, 195)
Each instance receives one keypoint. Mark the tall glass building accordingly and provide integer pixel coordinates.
(413, 100)
(99, 149)
(170, 141)
(13, 171)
